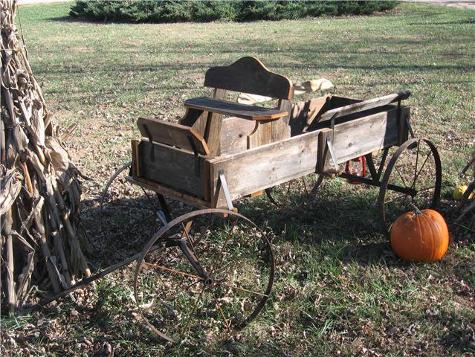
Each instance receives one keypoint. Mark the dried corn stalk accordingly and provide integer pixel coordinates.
(40, 191)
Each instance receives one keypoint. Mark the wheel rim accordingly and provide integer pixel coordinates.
(415, 166)
(181, 304)
(126, 209)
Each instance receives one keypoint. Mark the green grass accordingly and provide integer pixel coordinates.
(339, 288)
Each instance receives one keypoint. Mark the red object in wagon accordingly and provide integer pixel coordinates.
(356, 167)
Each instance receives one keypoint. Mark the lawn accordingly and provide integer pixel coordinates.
(339, 288)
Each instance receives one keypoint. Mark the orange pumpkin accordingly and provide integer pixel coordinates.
(420, 236)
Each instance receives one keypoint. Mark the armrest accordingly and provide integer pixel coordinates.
(249, 112)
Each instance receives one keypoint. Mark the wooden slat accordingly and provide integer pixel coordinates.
(168, 192)
(177, 135)
(249, 75)
(135, 169)
(362, 106)
(212, 128)
(250, 112)
(362, 136)
(175, 168)
(304, 112)
(234, 133)
(281, 128)
(265, 166)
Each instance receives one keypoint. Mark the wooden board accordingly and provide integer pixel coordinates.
(183, 197)
(213, 123)
(250, 112)
(172, 167)
(362, 106)
(234, 133)
(249, 75)
(362, 136)
(181, 136)
(304, 112)
(265, 166)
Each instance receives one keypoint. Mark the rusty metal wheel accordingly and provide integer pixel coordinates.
(412, 178)
(295, 193)
(209, 278)
(127, 209)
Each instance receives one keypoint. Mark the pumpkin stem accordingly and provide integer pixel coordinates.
(416, 209)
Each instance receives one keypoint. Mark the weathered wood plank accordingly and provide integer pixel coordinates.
(173, 134)
(265, 166)
(250, 112)
(362, 136)
(168, 192)
(213, 124)
(304, 112)
(175, 168)
(364, 105)
(261, 136)
(249, 75)
(281, 128)
(234, 133)
(135, 171)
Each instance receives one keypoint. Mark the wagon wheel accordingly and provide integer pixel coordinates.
(296, 192)
(237, 271)
(412, 177)
(127, 209)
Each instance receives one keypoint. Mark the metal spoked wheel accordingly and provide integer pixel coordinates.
(200, 277)
(412, 178)
(296, 192)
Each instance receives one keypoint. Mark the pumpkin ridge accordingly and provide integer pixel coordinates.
(420, 234)
(432, 235)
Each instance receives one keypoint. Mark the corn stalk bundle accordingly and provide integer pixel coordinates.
(40, 190)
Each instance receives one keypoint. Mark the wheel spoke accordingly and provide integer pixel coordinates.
(415, 168)
(193, 310)
(149, 199)
(402, 178)
(226, 322)
(420, 170)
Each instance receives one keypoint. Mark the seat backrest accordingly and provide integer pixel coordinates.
(181, 136)
(249, 75)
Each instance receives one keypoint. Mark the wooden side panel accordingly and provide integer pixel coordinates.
(183, 197)
(234, 133)
(304, 112)
(249, 75)
(265, 166)
(172, 167)
(361, 136)
(173, 134)
(364, 105)
(262, 135)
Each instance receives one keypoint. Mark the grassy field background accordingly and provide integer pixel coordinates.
(340, 289)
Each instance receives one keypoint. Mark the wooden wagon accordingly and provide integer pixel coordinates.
(221, 151)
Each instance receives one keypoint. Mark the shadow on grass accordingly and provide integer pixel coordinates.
(347, 221)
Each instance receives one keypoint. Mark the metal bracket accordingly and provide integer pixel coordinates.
(152, 151)
(332, 153)
(227, 194)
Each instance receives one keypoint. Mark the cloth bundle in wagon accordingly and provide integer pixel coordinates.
(221, 151)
